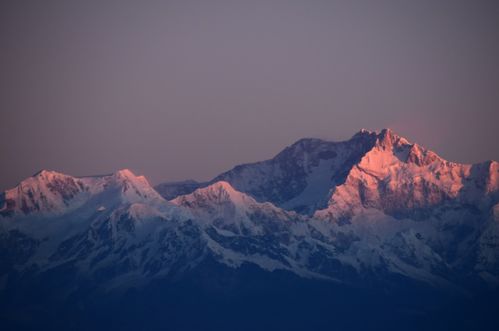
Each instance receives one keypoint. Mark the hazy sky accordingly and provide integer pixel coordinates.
(189, 88)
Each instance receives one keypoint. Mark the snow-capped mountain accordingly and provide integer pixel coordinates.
(241, 230)
(301, 177)
(44, 192)
(375, 212)
(51, 193)
(356, 212)
(404, 179)
(52, 219)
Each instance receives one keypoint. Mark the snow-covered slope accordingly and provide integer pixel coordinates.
(381, 202)
(220, 201)
(44, 192)
(52, 193)
(115, 224)
(301, 176)
(404, 179)
(372, 169)
(358, 211)
(241, 230)
(238, 229)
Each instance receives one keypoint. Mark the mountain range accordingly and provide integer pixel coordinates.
(372, 213)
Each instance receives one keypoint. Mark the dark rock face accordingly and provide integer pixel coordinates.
(6, 205)
(67, 188)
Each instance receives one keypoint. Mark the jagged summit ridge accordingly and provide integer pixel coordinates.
(371, 206)
(299, 177)
(304, 176)
(51, 192)
(399, 178)
(214, 196)
(43, 192)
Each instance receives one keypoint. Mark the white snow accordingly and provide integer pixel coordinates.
(355, 229)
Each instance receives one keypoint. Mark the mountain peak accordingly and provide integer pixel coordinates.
(388, 138)
(45, 191)
(221, 190)
(128, 176)
(48, 192)
(216, 193)
(42, 172)
(387, 131)
(363, 133)
(384, 138)
(387, 134)
(48, 174)
(125, 173)
(223, 185)
(408, 152)
(134, 188)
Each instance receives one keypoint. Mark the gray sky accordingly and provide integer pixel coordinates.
(189, 88)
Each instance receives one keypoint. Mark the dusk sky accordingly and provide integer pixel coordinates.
(189, 88)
